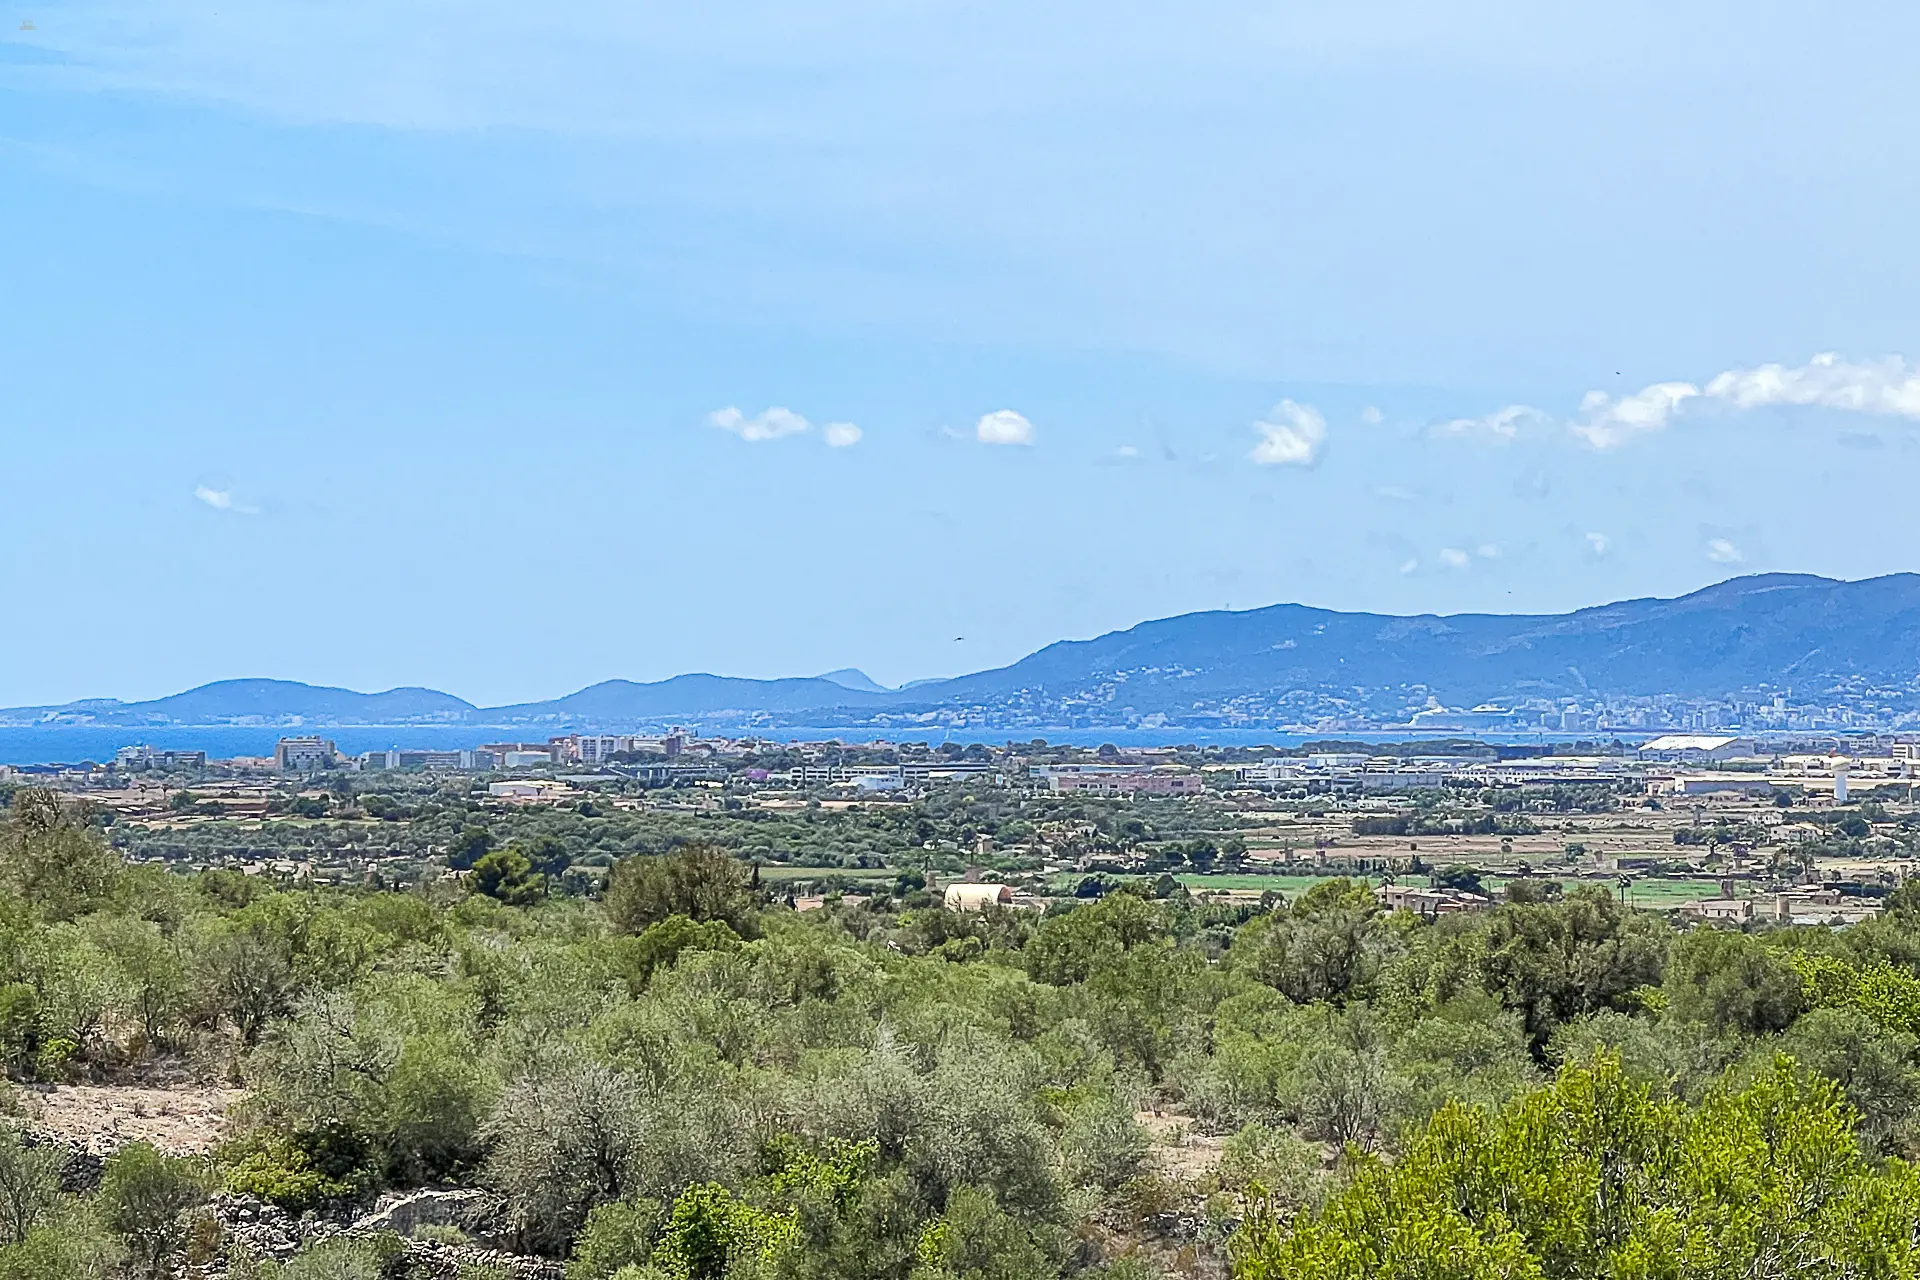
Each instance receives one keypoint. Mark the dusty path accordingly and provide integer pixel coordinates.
(102, 1118)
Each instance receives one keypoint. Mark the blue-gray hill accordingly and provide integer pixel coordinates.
(1773, 630)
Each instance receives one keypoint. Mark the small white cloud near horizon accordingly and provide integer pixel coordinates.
(1598, 543)
(1372, 416)
(771, 424)
(1126, 451)
(1720, 551)
(1408, 567)
(1605, 422)
(1454, 558)
(1003, 426)
(223, 500)
(1888, 387)
(1489, 550)
(778, 422)
(1501, 425)
(1290, 436)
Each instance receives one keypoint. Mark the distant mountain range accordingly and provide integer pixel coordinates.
(1285, 664)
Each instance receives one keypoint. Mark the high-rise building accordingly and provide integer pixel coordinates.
(140, 758)
(304, 755)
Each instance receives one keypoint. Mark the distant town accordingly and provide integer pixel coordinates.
(1803, 828)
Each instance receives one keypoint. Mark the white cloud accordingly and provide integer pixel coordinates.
(1599, 543)
(1454, 558)
(1605, 422)
(1408, 567)
(223, 500)
(1488, 551)
(1290, 436)
(778, 422)
(1003, 426)
(1372, 416)
(1503, 424)
(1886, 386)
(1126, 451)
(1720, 551)
(768, 425)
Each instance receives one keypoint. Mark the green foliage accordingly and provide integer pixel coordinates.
(975, 1239)
(342, 1260)
(299, 1172)
(1330, 946)
(700, 881)
(659, 945)
(145, 1198)
(69, 1245)
(1732, 982)
(1889, 995)
(1551, 962)
(52, 860)
(507, 876)
(681, 1077)
(617, 1234)
(711, 1234)
(1594, 1177)
(29, 1188)
(471, 845)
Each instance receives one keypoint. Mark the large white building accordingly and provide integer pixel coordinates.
(304, 755)
(1695, 748)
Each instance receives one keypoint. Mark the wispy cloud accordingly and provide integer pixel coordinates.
(1003, 426)
(1721, 551)
(1889, 387)
(1372, 416)
(1454, 558)
(1502, 424)
(1605, 422)
(1408, 566)
(777, 422)
(1489, 551)
(1599, 543)
(224, 500)
(1290, 436)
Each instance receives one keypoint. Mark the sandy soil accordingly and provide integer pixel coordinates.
(179, 1120)
(1177, 1149)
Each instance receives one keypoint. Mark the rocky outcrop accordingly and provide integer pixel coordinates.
(79, 1165)
(407, 1212)
(256, 1229)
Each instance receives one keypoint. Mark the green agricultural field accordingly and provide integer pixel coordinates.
(1653, 895)
(873, 875)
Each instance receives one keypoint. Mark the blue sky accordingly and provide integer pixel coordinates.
(505, 348)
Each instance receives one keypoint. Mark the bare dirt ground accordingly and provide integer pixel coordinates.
(1178, 1150)
(180, 1120)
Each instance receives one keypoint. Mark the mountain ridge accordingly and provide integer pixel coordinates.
(1764, 631)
